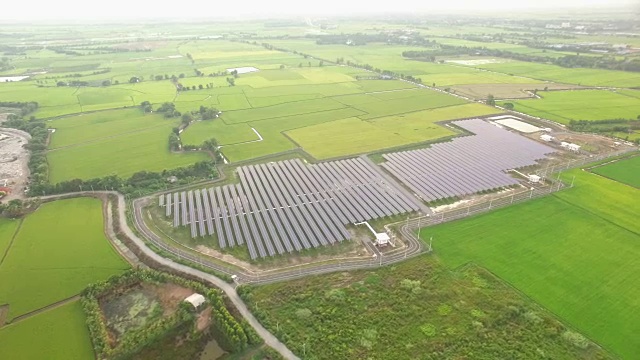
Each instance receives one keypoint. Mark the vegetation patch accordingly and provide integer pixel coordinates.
(626, 171)
(534, 246)
(54, 255)
(392, 319)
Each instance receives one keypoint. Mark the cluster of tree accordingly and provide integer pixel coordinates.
(606, 126)
(180, 87)
(230, 333)
(25, 107)
(168, 109)
(362, 39)
(73, 83)
(568, 61)
(5, 63)
(18, 208)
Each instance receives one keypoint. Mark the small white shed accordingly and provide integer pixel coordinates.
(196, 300)
(382, 239)
(574, 147)
(546, 137)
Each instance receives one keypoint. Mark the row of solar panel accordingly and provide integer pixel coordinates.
(465, 165)
(288, 206)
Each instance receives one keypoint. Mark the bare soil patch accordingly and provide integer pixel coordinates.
(14, 172)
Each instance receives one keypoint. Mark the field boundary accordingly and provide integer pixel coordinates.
(35, 312)
(15, 234)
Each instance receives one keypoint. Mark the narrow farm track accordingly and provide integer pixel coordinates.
(228, 289)
(55, 305)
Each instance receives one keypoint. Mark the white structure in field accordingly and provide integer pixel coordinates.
(196, 300)
(514, 123)
(574, 147)
(382, 239)
(534, 179)
(570, 146)
(546, 138)
(243, 70)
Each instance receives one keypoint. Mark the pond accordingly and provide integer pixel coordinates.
(13, 78)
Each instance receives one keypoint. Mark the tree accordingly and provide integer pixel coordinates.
(491, 101)
(158, 77)
(193, 87)
(508, 106)
(106, 83)
(116, 82)
(235, 73)
(231, 81)
(321, 63)
(200, 87)
(281, 67)
(186, 119)
(134, 79)
(300, 65)
(174, 142)
(181, 76)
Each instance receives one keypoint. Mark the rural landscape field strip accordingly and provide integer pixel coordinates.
(289, 206)
(572, 252)
(54, 256)
(626, 171)
(61, 334)
(435, 173)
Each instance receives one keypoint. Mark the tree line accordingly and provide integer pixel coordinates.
(232, 334)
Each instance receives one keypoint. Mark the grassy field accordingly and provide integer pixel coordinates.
(417, 309)
(563, 106)
(120, 142)
(626, 171)
(8, 228)
(54, 255)
(573, 252)
(57, 334)
(579, 76)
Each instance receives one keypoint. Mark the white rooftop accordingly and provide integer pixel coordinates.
(195, 299)
(518, 125)
(244, 70)
(382, 237)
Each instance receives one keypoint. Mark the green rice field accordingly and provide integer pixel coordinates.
(55, 255)
(626, 171)
(564, 106)
(57, 334)
(574, 252)
(120, 142)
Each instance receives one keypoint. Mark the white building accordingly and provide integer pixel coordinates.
(196, 300)
(546, 137)
(574, 147)
(534, 179)
(382, 239)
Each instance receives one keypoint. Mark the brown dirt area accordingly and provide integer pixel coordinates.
(4, 312)
(507, 91)
(170, 295)
(204, 319)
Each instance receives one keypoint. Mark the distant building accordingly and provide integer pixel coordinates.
(565, 25)
(534, 179)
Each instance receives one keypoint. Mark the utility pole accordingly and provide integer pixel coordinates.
(572, 180)
(430, 241)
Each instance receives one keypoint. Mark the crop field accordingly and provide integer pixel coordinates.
(54, 255)
(564, 106)
(572, 252)
(578, 76)
(60, 333)
(8, 228)
(626, 171)
(414, 309)
(120, 142)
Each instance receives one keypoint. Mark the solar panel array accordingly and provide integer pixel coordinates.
(287, 206)
(466, 165)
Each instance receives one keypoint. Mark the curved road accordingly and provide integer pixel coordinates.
(228, 289)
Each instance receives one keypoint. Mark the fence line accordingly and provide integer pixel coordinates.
(414, 246)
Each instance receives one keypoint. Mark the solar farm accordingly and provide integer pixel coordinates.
(287, 206)
(465, 165)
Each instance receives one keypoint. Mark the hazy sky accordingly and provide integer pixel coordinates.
(127, 9)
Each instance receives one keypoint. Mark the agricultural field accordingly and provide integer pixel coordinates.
(120, 142)
(626, 171)
(54, 256)
(564, 106)
(415, 309)
(572, 252)
(578, 76)
(61, 334)
(8, 229)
